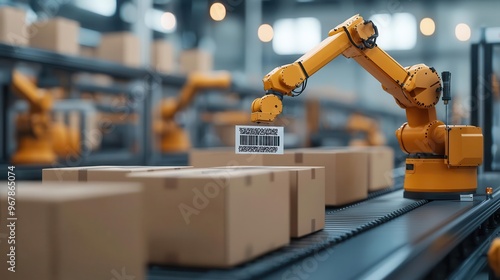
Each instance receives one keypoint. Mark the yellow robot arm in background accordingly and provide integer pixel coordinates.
(34, 131)
(416, 89)
(173, 137)
(38, 100)
(374, 136)
(194, 84)
(39, 139)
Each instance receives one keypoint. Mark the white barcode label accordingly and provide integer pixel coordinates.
(259, 140)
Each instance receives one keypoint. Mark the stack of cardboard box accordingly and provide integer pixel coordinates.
(247, 206)
(214, 217)
(350, 172)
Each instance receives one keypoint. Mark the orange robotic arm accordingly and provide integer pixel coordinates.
(173, 137)
(34, 135)
(40, 139)
(195, 83)
(416, 89)
(374, 136)
(38, 101)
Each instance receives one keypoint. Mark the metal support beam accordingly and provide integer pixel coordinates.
(142, 31)
(474, 112)
(488, 107)
(253, 49)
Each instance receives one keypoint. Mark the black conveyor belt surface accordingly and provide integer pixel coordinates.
(341, 224)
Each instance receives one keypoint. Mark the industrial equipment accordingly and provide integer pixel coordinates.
(173, 137)
(443, 159)
(360, 123)
(40, 139)
(356, 123)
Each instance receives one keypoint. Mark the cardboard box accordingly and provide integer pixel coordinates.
(163, 56)
(346, 169)
(13, 28)
(215, 157)
(380, 167)
(99, 173)
(307, 197)
(346, 172)
(195, 60)
(57, 34)
(214, 217)
(78, 232)
(120, 47)
(153, 229)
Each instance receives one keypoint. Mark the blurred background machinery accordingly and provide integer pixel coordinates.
(174, 138)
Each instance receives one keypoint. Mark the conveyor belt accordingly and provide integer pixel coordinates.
(429, 242)
(384, 237)
(341, 224)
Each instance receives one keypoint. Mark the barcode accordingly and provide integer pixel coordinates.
(257, 149)
(254, 140)
(258, 131)
(259, 140)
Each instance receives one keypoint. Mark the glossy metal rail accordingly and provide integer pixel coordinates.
(468, 226)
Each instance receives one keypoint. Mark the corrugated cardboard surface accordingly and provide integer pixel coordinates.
(381, 165)
(57, 34)
(213, 217)
(346, 173)
(120, 47)
(227, 157)
(310, 202)
(69, 231)
(13, 29)
(163, 56)
(99, 173)
(307, 197)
